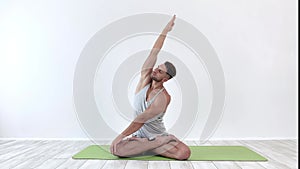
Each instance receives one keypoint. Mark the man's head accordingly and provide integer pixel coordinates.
(164, 72)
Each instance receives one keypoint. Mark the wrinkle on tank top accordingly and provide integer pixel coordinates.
(154, 126)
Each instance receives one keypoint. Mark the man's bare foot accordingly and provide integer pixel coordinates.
(165, 139)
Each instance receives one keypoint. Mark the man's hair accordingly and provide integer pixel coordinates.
(171, 70)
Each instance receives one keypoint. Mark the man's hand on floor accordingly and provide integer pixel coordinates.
(113, 146)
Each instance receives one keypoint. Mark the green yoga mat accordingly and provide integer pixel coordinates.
(199, 153)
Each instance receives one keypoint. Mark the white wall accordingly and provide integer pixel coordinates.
(40, 42)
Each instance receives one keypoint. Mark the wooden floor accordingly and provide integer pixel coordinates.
(44, 154)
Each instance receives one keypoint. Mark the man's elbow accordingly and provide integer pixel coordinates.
(140, 121)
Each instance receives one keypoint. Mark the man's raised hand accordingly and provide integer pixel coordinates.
(170, 25)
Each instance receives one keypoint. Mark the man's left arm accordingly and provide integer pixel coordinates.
(157, 107)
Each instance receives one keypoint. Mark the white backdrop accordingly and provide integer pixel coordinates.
(40, 42)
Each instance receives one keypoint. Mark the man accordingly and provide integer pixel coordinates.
(150, 103)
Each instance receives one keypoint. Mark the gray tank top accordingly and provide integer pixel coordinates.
(153, 127)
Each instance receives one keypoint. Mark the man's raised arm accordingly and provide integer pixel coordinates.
(151, 60)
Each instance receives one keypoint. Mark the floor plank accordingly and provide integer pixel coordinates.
(273, 160)
(37, 155)
(226, 165)
(93, 164)
(276, 153)
(51, 164)
(115, 164)
(70, 163)
(10, 159)
(5, 142)
(132, 164)
(203, 164)
(34, 157)
(181, 165)
(250, 165)
(158, 164)
(18, 145)
(31, 163)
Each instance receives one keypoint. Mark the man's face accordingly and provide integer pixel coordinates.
(159, 74)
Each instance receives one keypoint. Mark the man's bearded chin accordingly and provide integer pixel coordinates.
(155, 79)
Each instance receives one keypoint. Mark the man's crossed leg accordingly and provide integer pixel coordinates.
(167, 146)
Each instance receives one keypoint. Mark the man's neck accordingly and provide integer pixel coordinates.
(156, 85)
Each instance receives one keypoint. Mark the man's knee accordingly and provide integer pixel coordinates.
(184, 153)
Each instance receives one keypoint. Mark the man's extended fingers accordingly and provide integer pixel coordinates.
(172, 21)
(112, 148)
(173, 18)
